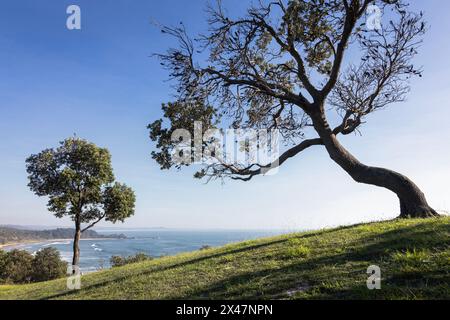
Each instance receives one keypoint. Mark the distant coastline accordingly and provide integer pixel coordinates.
(14, 237)
(14, 245)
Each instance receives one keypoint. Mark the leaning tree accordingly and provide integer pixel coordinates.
(282, 66)
(78, 179)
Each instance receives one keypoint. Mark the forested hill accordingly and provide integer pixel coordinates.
(9, 235)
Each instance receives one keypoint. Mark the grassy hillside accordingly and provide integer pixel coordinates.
(414, 257)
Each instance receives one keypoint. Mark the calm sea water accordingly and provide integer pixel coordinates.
(95, 254)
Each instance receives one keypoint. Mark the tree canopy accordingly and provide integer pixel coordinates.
(78, 179)
(271, 67)
(282, 66)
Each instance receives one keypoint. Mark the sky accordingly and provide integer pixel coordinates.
(102, 84)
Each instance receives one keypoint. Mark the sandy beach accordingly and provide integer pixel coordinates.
(13, 244)
(26, 242)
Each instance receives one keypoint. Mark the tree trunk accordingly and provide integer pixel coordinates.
(76, 244)
(413, 203)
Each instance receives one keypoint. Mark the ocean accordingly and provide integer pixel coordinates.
(96, 254)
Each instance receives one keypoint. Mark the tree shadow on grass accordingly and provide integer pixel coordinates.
(429, 285)
(277, 282)
(191, 261)
(168, 267)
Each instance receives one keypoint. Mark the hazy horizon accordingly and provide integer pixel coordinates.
(112, 228)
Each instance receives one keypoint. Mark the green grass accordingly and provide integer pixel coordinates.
(414, 257)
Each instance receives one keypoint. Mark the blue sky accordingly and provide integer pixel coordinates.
(101, 84)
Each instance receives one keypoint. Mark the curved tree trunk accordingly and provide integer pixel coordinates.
(413, 203)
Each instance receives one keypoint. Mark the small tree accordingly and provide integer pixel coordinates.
(282, 66)
(16, 266)
(47, 265)
(78, 179)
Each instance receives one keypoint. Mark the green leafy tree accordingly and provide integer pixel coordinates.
(283, 66)
(16, 266)
(47, 265)
(78, 179)
(3, 257)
